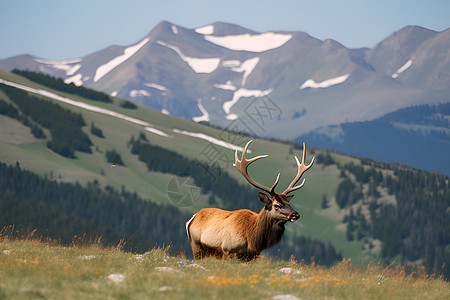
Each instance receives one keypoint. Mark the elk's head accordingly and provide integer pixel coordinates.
(277, 205)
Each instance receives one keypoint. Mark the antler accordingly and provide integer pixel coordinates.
(301, 168)
(242, 165)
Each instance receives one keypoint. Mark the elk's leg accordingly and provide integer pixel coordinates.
(212, 252)
(197, 250)
(200, 251)
(226, 254)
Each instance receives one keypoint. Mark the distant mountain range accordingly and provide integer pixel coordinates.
(284, 85)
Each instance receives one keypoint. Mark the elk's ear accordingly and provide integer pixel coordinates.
(264, 199)
(288, 198)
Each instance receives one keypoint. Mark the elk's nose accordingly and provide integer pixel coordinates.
(294, 216)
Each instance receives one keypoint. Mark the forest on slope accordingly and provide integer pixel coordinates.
(415, 229)
(60, 85)
(64, 125)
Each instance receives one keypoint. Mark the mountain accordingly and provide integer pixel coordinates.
(422, 55)
(278, 84)
(418, 133)
(71, 164)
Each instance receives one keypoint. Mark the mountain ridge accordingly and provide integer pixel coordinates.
(221, 72)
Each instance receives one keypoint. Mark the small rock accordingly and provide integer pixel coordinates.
(289, 271)
(304, 279)
(285, 297)
(195, 266)
(139, 257)
(165, 269)
(6, 252)
(86, 257)
(116, 277)
(165, 289)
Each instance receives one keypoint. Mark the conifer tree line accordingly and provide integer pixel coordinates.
(60, 85)
(309, 250)
(96, 131)
(64, 125)
(416, 228)
(63, 210)
(159, 159)
(9, 110)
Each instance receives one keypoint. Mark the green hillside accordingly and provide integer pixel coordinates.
(325, 223)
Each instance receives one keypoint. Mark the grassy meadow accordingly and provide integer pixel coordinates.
(35, 269)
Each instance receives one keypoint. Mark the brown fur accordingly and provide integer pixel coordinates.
(242, 233)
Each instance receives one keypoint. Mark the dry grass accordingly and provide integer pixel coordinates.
(35, 269)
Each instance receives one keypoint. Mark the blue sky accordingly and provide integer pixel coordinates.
(56, 29)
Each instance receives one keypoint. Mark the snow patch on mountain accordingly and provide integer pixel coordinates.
(156, 86)
(70, 70)
(174, 29)
(205, 115)
(227, 86)
(231, 63)
(137, 93)
(402, 69)
(73, 69)
(252, 43)
(115, 62)
(310, 83)
(232, 117)
(76, 79)
(210, 139)
(65, 65)
(58, 62)
(208, 29)
(247, 67)
(198, 65)
(158, 132)
(243, 93)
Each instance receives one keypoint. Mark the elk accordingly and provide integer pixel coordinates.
(243, 234)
